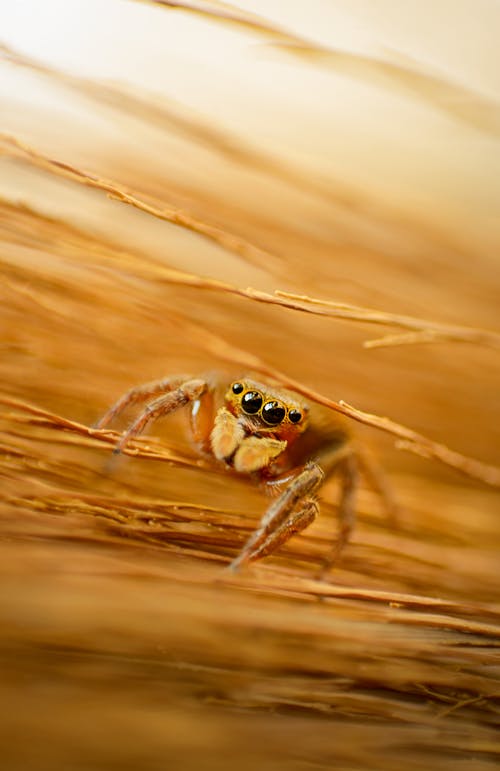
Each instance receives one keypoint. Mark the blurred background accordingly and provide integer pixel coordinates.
(347, 151)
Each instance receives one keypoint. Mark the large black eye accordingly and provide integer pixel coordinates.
(273, 413)
(237, 388)
(295, 416)
(251, 402)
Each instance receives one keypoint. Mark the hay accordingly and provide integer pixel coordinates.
(125, 644)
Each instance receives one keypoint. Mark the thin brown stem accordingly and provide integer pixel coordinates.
(421, 330)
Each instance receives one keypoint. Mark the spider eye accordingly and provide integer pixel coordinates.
(295, 416)
(273, 413)
(251, 402)
(237, 388)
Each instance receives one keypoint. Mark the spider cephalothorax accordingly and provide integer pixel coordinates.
(256, 426)
(263, 431)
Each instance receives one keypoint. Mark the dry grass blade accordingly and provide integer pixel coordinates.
(462, 103)
(423, 331)
(91, 437)
(125, 643)
(170, 117)
(14, 148)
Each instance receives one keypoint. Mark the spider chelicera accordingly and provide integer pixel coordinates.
(268, 433)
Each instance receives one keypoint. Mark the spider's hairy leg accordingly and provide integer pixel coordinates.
(377, 479)
(349, 476)
(140, 394)
(296, 522)
(291, 512)
(185, 392)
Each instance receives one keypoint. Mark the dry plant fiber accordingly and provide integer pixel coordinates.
(308, 191)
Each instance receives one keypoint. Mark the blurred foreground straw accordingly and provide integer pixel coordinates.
(125, 644)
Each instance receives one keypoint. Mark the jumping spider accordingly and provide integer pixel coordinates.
(268, 433)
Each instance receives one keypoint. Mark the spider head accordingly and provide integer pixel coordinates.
(266, 410)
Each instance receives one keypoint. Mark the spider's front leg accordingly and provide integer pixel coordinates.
(175, 393)
(349, 476)
(297, 507)
(140, 394)
(293, 511)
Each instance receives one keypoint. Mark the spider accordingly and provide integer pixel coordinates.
(268, 433)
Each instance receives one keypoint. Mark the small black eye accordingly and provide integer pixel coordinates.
(273, 413)
(295, 416)
(237, 388)
(251, 402)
